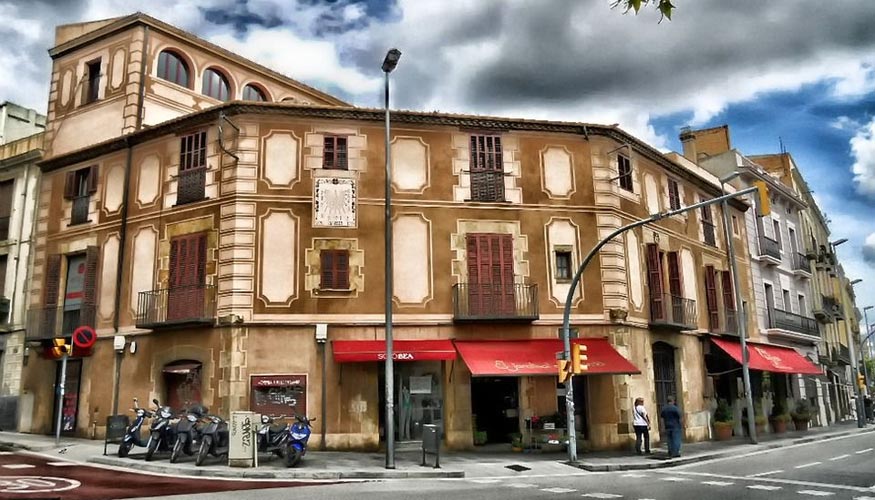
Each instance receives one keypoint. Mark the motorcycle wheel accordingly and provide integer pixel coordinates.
(177, 451)
(153, 447)
(293, 456)
(204, 450)
(124, 448)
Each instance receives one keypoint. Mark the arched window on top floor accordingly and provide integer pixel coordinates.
(172, 67)
(253, 93)
(216, 85)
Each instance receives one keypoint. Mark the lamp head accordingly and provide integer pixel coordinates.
(858, 280)
(867, 308)
(838, 242)
(391, 60)
(728, 177)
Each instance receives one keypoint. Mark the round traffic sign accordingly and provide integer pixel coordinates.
(84, 337)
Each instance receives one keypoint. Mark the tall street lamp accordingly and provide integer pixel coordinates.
(389, 64)
(855, 370)
(741, 319)
(866, 343)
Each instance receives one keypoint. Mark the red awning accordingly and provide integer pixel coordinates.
(769, 358)
(537, 357)
(347, 351)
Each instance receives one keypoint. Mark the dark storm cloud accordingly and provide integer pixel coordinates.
(240, 17)
(869, 254)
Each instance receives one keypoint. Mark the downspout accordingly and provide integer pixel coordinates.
(19, 242)
(123, 230)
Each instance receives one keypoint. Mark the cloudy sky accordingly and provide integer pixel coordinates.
(798, 72)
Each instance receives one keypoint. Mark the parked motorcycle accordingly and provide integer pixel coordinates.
(299, 434)
(214, 440)
(132, 435)
(188, 433)
(161, 431)
(272, 438)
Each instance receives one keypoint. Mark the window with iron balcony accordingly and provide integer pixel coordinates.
(192, 168)
(79, 185)
(486, 168)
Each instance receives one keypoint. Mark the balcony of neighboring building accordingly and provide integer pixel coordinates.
(517, 302)
(828, 310)
(187, 305)
(44, 323)
(801, 265)
(841, 355)
(5, 309)
(770, 251)
(670, 311)
(792, 325)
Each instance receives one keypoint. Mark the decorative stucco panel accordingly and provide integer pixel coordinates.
(410, 164)
(557, 169)
(412, 269)
(278, 274)
(281, 150)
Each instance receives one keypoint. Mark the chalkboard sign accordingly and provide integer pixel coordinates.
(279, 394)
(116, 426)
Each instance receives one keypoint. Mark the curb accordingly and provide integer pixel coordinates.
(591, 467)
(290, 474)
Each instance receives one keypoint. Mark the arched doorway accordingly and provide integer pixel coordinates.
(664, 377)
(182, 384)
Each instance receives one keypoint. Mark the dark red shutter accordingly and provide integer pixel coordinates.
(341, 154)
(654, 282)
(89, 302)
(326, 258)
(92, 179)
(341, 270)
(335, 269)
(5, 202)
(490, 273)
(711, 298)
(675, 285)
(186, 294)
(70, 187)
(52, 283)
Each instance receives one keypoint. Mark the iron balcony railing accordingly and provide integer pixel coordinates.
(731, 319)
(770, 247)
(709, 233)
(488, 302)
(673, 311)
(832, 307)
(51, 322)
(191, 185)
(801, 263)
(487, 185)
(4, 228)
(79, 215)
(842, 354)
(793, 322)
(181, 305)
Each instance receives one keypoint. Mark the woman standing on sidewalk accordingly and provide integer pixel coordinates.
(641, 423)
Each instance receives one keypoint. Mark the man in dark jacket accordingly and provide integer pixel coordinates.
(672, 420)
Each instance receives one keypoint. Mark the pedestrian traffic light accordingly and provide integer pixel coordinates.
(763, 203)
(563, 370)
(578, 360)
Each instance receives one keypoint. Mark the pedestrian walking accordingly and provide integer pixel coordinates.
(673, 422)
(641, 424)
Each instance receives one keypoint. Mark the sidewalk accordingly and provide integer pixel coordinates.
(330, 465)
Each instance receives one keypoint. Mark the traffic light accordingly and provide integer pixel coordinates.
(61, 347)
(578, 360)
(763, 203)
(563, 370)
(861, 381)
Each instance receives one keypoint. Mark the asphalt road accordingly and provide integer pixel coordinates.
(841, 469)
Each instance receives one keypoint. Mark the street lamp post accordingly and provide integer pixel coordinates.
(389, 63)
(741, 319)
(866, 342)
(858, 399)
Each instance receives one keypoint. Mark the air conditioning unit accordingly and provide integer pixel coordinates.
(4, 310)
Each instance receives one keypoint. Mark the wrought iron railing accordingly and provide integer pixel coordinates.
(709, 233)
(672, 310)
(731, 320)
(793, 322)
(832, 307)
(174, 306)
(842, 354)
(51, 322)
(770, 247)
(483, 302)
(191, 185)
(801, 263)
(79, 214)
(4, 228)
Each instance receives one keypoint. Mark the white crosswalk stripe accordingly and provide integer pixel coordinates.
(833, 459)
(486, 481)
(601, 495)
(764, 487)
(867, 450)
(6, 453)
(62, 464)
(521, 485)
(864, 498)
(807, 465)
(19, 466)
(635, 474)
(718, 483)
(675, 479)
(816, 493)
(558, 490)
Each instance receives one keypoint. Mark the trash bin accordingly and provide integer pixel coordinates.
(431, 444)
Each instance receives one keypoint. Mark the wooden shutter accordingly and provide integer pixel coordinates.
(2, 279)
(328, 152)
(92, 179)
(52, 282)
(674, 201)
(711, 298)
(486, 168)
(654, 282)
(335, 269)
(675, 284)
(70, 187)
(490, 273)
(89, 288)
(728, 294)
(334, 154)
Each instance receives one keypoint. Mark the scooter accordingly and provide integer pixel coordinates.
(299, 434)
(188, 434)
(132, 434)
(214, 440)
(161, 433)
(272, 438)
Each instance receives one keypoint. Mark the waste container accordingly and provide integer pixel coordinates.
(431, 444)
(241, 436)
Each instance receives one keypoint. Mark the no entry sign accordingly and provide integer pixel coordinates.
(84, 337)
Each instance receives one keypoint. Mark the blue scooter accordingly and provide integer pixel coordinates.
(299, 434)
(132, 434)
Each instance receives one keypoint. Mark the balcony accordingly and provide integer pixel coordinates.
(794, 323)
(829, 310)
(486, 302)
(4, 228)
(79, 214)
(841, 355)
(709, 233)
(801, 265)
(673, 312)
(178, 306)
(770, 251)
(52, 322)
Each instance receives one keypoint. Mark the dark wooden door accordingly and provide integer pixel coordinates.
(490, 274)
(654, 282)
(663, 374)
(185, 296)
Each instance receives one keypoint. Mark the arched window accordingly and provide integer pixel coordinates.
(172, 68)
(216, 85)
(253, 93)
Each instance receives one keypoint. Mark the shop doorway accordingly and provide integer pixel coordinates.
(182, 381)
(418, 399)
(664, 376)
(70, 405)
(495, 407)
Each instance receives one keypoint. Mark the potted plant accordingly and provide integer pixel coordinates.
(516, 441)
(801, 414)
(779, 416)
(723, 421)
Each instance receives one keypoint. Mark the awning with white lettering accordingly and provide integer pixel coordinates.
(358, 351)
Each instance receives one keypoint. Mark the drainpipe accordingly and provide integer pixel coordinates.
(19, 242)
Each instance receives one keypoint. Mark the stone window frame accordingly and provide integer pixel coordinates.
(313, 263)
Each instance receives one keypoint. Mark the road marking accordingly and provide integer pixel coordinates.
(62, 464)
(770, 480)
(635, 474)
(675, 479)
(808, 465)
(19, 466)
(521, 485)
(486, 481)
(761, 474)
(558, 490)
(864, 498)
(718, 483)
(6, 453)
(867, 450)
(601, 495)
(833, 459)
(764, 487)
(817, 493)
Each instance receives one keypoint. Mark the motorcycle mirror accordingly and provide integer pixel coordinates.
(156, 402)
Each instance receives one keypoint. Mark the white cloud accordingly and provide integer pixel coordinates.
(863, 152)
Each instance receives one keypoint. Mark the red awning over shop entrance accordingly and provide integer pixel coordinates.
(350, 351)
(537, 357)
(769, 358)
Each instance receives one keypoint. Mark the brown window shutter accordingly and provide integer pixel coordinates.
(5, 201)
(92, 179)
(728, 294)
(328, 152)
(654, 282)
(52, 283)
(341, 271)
(89, 302)
(200, 275)
(326, 258)
(675, 284)
(711, 298)
(174, 262)
(70, 186)
(342, 162)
